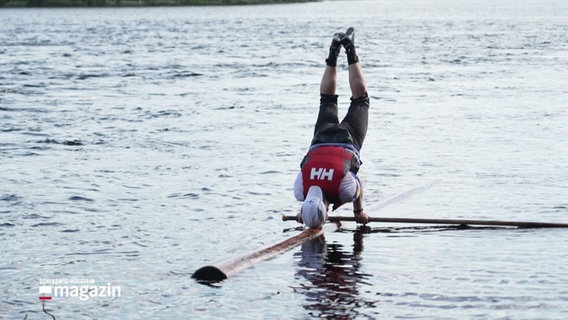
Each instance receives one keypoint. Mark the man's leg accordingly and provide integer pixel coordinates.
(356, 120)
(356, 79)
(329, 80)
(327, 115)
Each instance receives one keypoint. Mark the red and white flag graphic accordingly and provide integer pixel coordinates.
(44, 292)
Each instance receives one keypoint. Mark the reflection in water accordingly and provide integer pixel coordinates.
(334, 278)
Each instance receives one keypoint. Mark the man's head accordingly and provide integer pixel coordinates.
(313, 211)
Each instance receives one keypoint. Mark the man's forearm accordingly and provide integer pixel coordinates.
(358, 203)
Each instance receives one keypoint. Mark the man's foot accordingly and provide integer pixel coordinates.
(336, 44)
(348, 42)
(348, 39)
(334, 49)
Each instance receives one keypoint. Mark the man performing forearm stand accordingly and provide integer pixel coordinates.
(329, 170)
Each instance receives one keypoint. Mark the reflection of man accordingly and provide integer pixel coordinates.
(328, 171)
(334, 277)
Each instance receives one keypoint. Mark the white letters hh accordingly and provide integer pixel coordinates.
(321, 174)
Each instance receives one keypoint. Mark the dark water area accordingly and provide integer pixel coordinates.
(139, 144)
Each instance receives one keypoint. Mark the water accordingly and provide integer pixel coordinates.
(138, 145)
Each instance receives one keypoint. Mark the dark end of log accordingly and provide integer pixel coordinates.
(209, 274)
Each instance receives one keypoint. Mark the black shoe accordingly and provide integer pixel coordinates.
(335, 47)
(348, 39)
(348, 42)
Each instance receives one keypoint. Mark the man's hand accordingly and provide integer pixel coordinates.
(361, 217)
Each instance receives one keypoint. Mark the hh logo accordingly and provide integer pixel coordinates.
(321, 174)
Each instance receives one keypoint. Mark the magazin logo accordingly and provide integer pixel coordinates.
(82, 291)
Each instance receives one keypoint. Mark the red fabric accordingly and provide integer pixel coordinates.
(325, 167)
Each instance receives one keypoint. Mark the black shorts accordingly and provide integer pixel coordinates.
(352, 129)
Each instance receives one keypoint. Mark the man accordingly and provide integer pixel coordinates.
(328, 171)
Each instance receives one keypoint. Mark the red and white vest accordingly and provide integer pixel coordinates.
(325, 167)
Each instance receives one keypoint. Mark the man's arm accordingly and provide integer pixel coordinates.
(360, 215)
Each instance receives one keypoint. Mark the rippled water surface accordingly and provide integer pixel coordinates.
(137, 145)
